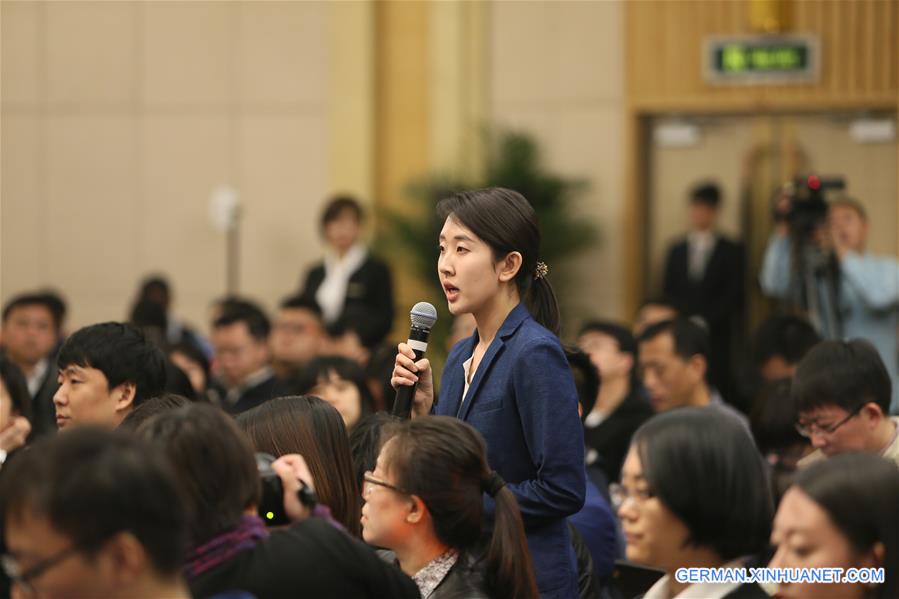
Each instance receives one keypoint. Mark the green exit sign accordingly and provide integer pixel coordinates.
(761, 59)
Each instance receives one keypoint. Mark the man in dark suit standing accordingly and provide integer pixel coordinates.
(704, 276)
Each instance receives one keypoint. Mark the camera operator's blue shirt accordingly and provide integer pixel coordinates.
(868, 298)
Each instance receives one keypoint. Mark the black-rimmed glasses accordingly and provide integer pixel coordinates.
(368, 480)
(807, 430)
(23, 578)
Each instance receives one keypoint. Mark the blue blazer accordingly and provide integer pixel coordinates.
(523, 401)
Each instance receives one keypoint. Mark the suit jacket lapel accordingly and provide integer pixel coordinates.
(509, 326)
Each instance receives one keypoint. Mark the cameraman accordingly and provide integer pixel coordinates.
(866, 287)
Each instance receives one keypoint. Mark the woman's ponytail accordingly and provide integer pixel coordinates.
(541, 302)
(509, 569)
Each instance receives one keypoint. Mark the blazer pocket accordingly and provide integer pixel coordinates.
(491, 405)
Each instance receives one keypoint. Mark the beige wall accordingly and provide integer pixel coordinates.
(556, 70)
(119, 119)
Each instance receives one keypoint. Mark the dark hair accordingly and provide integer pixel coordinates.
(121, 352)
(153, 406)
(234, 311)
(860, 492)
(213, 462)
(57, 304)
(706, 193)
(783, 335)
(690, 339)
(703, 465)
(367, 438)
(627, 343)
(443, 461)
(621, 334)
(193, 353)
(842, 373)
(338, 204)
(506, 222)
(34, 299)
(774, 417)
(301, 302)
(155, 287)
(586, 379)
(314, 429)
(16, 386)
(148, 314)
(320, 370)
(91, 484)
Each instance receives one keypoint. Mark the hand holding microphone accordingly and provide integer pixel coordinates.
(412, 377)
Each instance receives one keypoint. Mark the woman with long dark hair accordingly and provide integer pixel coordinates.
(510, 380)
(312, 428)
(424, 502)
(842, 512)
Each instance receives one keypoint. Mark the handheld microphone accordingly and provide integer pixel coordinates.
(423, 317)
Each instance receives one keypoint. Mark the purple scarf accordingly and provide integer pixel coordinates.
(222, 548)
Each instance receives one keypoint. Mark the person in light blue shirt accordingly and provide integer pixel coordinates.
(868, 286)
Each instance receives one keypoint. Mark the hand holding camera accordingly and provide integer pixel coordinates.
(288, 492)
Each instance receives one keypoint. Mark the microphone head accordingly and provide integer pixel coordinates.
(423, 315)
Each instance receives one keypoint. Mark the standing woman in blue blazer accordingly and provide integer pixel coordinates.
(510, 380)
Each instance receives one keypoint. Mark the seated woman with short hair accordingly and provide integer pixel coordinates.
(842, 512)
(693, 494)
(425, 501)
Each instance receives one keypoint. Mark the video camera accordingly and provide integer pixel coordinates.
(808, 206)
(271, 507)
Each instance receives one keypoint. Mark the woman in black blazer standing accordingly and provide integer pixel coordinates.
(352, 287)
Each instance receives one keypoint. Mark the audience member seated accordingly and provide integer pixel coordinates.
(595, 522)
(105, 371)
(780, 343)
(842, 392)
(15, 409)
(841, 513)
(424, 501)
(773, 424)
(150, 408)
(312, 428)
(672, 356)
(30, 333)
(297, 336)
(621, 406)
(694, 493)
(230, 546)
(652, 311)
(350, 283)
(93, 513)
(240, 338)
(156, 291)
(378, 373)
(340, 382)
(194, 364)
(344, 339)
(366, 441)
(867, 305)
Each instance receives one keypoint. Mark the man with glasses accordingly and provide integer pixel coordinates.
(842, 393)
(92, 513)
